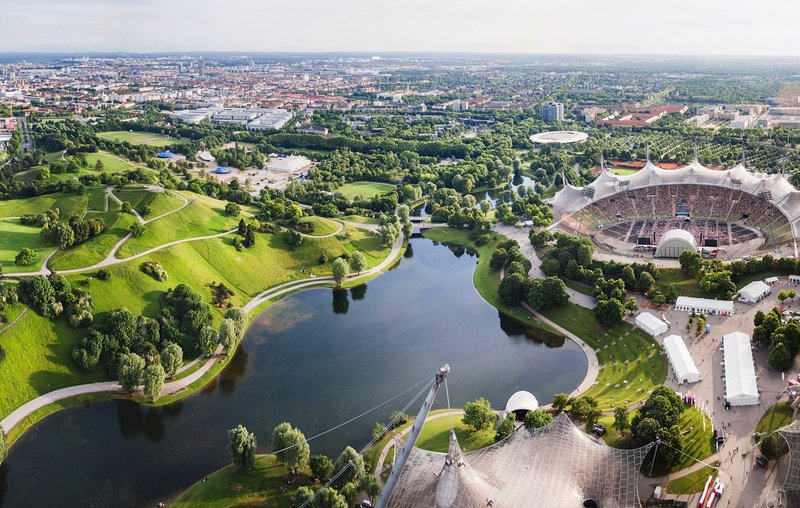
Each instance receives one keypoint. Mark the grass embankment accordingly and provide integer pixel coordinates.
(360, 219)
(365, 190)
(111, 163)
(485, 279)
(67, 204)
(631, 363)
(15, 235)
(692, 482)
(39, 350)
(435, 435)
(140, 138)
(230, 486)
(322, 226)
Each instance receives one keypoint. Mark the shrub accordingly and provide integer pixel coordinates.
(103, 274)
(155, 270)
(26, 257)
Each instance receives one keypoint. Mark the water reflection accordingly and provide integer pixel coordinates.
(315, 359)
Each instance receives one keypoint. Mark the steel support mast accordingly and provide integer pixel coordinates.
(416, 428)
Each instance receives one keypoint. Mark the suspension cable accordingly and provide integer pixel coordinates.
(449, 411)
(372, 442)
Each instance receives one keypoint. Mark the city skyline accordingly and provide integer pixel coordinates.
(470, 26)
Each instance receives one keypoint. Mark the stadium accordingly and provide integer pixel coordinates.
(659, 213)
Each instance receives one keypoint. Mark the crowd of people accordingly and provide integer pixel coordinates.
(689, 200)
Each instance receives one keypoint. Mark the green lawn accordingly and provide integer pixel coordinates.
(365, 190)
(111, 163)
(158, 202)
(68, 204)
(692, 482)
(435, 435)
(230, 486)
(631, 361)
(95, 249)
(13, 237)
(140, 138)
(322, 226)
(777, 416)
(360, 219)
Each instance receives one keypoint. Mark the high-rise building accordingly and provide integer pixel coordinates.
(553, 112)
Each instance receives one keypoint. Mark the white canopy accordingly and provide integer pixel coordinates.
(682, 363)
(754, 292)
(704, 305)
(522, 401)
(674, 242)
(651, 324)
(741, 388)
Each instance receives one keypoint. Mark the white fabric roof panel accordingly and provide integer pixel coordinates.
(784, 195)
(754, 291)
(741, 388)
(690, 302)
(682, 363)
(651, 324)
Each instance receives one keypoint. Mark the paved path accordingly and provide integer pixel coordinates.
(9, 325)
(170, 388)
(401, 434)
(339, 230)
(175, 386)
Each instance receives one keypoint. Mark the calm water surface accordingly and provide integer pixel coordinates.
(314, 359)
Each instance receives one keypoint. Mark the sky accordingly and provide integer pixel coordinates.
(701, 27)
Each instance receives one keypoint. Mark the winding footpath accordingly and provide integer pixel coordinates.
(173, 387)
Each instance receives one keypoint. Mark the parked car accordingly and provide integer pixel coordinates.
(761, 461)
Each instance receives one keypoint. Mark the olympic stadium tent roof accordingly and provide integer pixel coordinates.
(754, 292)
(682, 363)
(674, 242)
(651, 324)
(558, 466)
(522, 401)
(741, 388)
(776, 188)
(791, 433)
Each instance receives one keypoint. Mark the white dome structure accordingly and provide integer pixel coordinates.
(520, 403)
(674, 242)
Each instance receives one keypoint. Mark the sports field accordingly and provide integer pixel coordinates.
(364, 189)
(140, 138)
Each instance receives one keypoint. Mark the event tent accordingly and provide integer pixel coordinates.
(651, 324)
(741, 388)
(754, 292)
(682, 363)
(705, 306)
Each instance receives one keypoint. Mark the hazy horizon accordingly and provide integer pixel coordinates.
(515, 27)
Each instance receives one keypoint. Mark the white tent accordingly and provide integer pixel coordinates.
(651, 324)
(741, 388)
(704, 305)
(754, 292)
(682, 363)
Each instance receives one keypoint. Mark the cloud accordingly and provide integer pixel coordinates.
(519, 26)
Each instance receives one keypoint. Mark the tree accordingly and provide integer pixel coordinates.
(171, 358)
(207, 340)
(621, 419)
(242, 447)
(232, 209)
(153, 380)
(330, 498)
(293, 239)
(560, 401)
(779, 357)
(782, 296)
(358, 262)
(99, 166)
(758, 319)
(354, 472)
(609, 311)
(583, 407)
(321, 467)
(403, 213)
(792, 294)
(227, 336)
(370, 487)
(537, 418)
(136, 230)
(631, 306)
(26, 257)
(290, 446)
(239, 319)
(645, 282)
(249, 236)
(242, 227)
(769, 447)
(340, 270)
(506, 428)
(302, 496)
(130, 371)
(478, 414)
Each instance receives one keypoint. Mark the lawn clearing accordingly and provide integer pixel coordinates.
(67, 204)
(435, 435)
(230, 486)
(777, 416)
(692, 482)
(631, 361)
(140, 138)
(364, 190)
(111, 163)
(13, 237)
